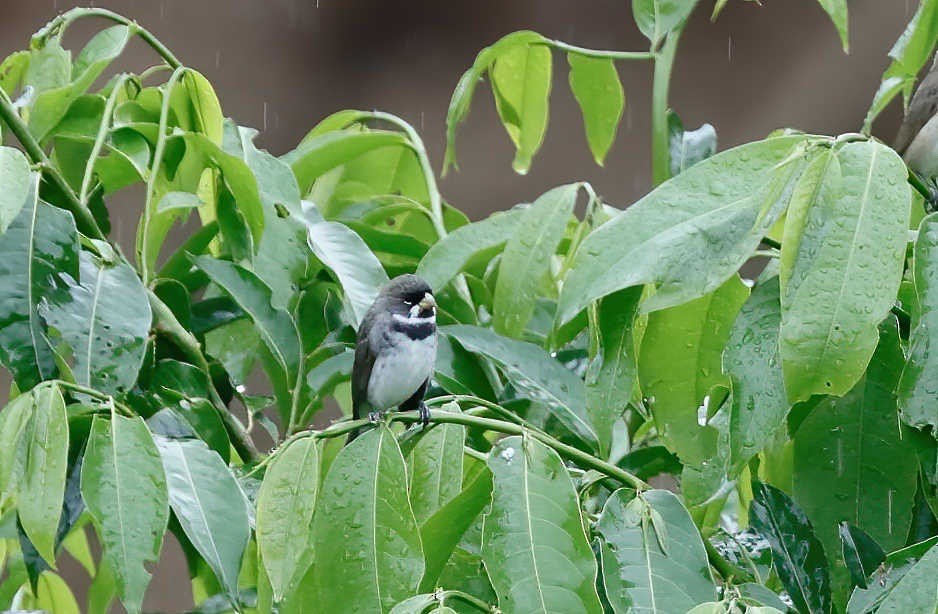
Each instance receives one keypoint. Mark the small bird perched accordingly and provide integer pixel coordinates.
(917, 140)
(396, 350)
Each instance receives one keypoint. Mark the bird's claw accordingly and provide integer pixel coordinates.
(424, 413)
(374, 417)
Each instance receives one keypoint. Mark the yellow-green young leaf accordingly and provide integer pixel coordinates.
(196, 107)
(210, 506)
(691, 233)
(54, 595)
(366, 546)
(837, 10)
(657, 18)
(462, 95)
(123, 485)
(653, 557)
(77, 545)
(842, 257)
(851, 463)
(681, 360)
(17, 182)
(46, 467)
(12, 70)
(533, 544)
(457, 250)
(14, 427)
(596, 86)
(521, 80)
(919, 380)
(526, 261)
(285, 506)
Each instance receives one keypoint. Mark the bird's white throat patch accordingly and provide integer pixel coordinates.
(413, 318)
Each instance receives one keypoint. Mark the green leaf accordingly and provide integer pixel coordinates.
(123, 485)
(884, 580)
(652, 567)
(711, 216)
(612, 372)
(46, 469)
(658, 18)
(851, 463)
(14, 426)
(916, 390)
(39, 245)
(750, 359)
(595, 85)
(680, 361)
(688, 147)
(376, 560)
(841, 266)
(797, 554)
(12, 70)
(105, 319)
(50, 105)
(521, 80)
(321, 153)
(441, 532)
(435, 469)
(275, 326)
(533, 543)
(535, 374)
(837, 10)
(462, 95)
(355, 266)
(457, 250)
(54, 595)
(526, 261)
(861, 553)
(285, 508)
(210, 506)
(915, 592)
(18, 186)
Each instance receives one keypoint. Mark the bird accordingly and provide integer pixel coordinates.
(395, 351)
(917, 139)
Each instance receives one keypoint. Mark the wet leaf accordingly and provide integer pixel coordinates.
(861, 554)
(657, 18)
(18, 186)
(597, 89)
(533, 504)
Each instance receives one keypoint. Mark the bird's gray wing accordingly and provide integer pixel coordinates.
(922, 108)
(365, 355)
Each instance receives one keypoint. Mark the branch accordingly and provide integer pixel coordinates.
(489, 424)
(83, 217)
(165, 322)
(601, 54)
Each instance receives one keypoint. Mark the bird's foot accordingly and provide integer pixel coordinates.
(374, 417)
(424, 413)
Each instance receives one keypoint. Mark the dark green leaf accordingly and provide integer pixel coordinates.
(526, 261)
(691, 233)
(285, 508)
(105, 319)
(919, 379)
(46, 470)
(123, 485)
(798, 555)
(759, 404)
(376, 560)
(651, 565)
(535, 373)
(612, 372)
(841, 265)
(39, 245)
(596, 86)
(210, 505)
(861, 553)
(533, 543)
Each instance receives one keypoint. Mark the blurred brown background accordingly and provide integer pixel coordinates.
(282, 65)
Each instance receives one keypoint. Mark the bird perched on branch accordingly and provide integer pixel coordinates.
(396, 350)
(917, 140)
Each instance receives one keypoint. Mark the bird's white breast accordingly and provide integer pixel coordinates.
(400, 369)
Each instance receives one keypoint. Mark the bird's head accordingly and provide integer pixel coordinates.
(411, 297)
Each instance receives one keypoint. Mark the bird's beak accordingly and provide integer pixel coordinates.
(427, 302)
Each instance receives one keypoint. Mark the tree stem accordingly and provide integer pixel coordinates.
(602, 54)
(660, 137)
(83, 217)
